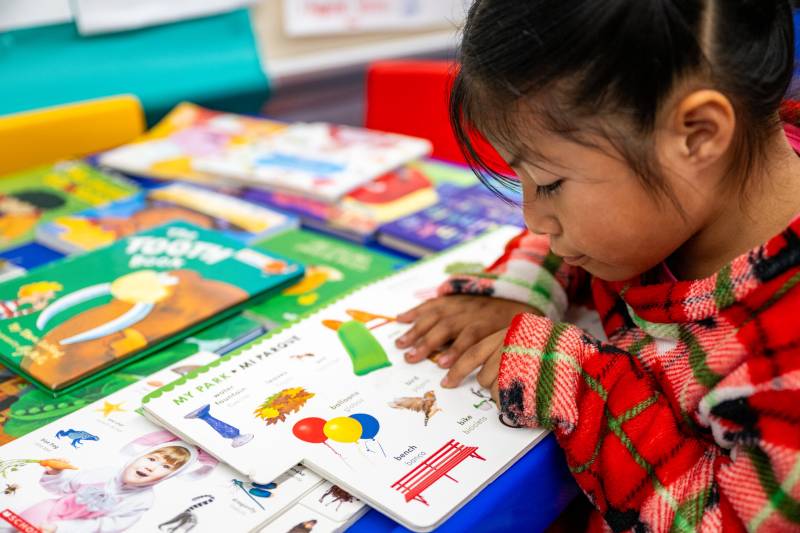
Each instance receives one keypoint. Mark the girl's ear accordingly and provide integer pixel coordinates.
(703, 124)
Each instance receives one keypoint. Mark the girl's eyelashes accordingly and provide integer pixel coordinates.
(546, 191)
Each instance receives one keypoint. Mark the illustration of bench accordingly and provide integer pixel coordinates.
(433, 468)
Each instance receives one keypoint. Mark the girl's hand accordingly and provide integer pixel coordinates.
(486, 354)
(462, 320)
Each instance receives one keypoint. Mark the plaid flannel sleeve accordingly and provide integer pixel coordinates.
(527, 272)
(635, 455)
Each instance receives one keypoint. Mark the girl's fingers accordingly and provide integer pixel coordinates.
(439, 335)
(472, 359)
(421, 326)
(491, 368)
(469, 337)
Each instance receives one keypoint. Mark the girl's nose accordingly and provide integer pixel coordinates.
(542, 223)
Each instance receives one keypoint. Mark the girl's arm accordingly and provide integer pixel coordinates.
(527, 273)
(60, 482)
(643, 463)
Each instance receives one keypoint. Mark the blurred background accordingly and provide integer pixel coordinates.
(290, 59)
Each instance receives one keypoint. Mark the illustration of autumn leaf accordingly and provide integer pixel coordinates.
(276, 407)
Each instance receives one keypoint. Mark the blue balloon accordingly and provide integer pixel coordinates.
(369, 425)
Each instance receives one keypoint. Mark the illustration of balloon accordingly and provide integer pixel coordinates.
(343, 429)
(370, 428)
(310, 430)
(369, 425)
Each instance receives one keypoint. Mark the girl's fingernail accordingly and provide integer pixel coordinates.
(443, 360)
(410, 355)
(445, 382)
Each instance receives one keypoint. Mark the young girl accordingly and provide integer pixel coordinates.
(657, 184)
(113, 499)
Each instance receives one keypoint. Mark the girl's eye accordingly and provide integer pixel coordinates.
(546, 191)
(151, 459)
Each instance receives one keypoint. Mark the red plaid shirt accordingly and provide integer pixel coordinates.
(688, 418)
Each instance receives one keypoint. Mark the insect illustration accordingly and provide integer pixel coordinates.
(11, 489)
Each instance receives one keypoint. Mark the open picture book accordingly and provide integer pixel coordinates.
(333, 393)
(106, 468)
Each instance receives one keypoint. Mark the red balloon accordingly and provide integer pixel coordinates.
(310, 430)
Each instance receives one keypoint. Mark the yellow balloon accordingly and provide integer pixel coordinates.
(343, 429)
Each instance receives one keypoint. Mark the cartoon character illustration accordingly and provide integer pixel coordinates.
(366, 353)
(315, 277)
(21, 211)
(146, 306)
(337, 494)
(31, 298)
(425, 405)
(113, 498)
(226, 431)
(279, 405)
(76, 436)
(187, 519)
(303, 527)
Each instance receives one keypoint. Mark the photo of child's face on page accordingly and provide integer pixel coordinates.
(155, 466)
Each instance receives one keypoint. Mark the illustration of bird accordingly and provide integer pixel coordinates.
(426, 404)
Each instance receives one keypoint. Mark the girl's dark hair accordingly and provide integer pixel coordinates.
(618, 58)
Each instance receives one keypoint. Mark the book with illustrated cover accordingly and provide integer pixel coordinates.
(334, 393)
(167, 151)
(90, 313)
(359, 214)
(107, 469)
(36, 196)
(24, 408)
(332, 268)
(461, 214)
(317, 160)
(94, 228)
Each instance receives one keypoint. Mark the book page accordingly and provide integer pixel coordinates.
(334, 393)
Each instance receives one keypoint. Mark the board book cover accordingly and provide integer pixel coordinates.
(87, 314)
(334, 393)
(332, 268)
(359, 214)
(189, 131)
(107, 469)
(317, 160)
(24, 408)
(37, 196)
(95, 228)
(461, 214)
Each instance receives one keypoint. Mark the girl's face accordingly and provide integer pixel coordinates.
(146, 470)
(597, 212)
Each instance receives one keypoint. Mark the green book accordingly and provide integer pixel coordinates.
(30, 198)
(333, 268)
(84, 316)
(24, 408)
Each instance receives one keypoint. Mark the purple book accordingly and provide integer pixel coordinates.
(461, 214)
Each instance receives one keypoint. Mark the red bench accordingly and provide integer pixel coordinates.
(434, 467)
